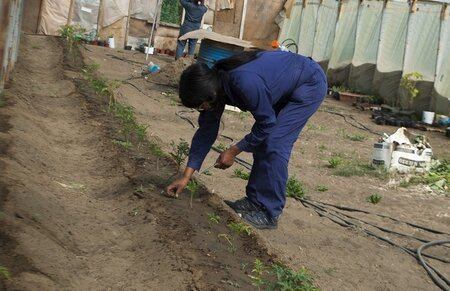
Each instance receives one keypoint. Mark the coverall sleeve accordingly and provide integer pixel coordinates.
(204, 138)
(186, 3)
(258, 101)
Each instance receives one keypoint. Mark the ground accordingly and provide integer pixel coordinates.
(68, 193)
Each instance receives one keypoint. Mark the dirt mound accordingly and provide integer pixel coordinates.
(81, 213)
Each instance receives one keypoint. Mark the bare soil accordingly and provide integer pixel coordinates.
(81, 213)
(340, 258)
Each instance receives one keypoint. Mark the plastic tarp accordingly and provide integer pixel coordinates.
(308, 27)
(344, 43)
(422, 40)
(54, 14)
(326, 25)
(291, 25)
(85, 13)
(442, 82)
(391, 48)
(143, 9)
(113, 10)
(366, 46)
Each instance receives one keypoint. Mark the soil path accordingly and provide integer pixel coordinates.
(341, 259)
(71, 219)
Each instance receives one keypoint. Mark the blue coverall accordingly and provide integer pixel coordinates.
(192, 21)
(281, 90)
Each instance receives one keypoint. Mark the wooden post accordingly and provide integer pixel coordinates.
(127, 27)
(98, 17)
(69, 17)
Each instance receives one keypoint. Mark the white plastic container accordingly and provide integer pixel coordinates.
(111, 43)
(428, 117)
(406, 158)
(382, 154)
(149, 50)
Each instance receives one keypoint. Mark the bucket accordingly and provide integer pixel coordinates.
(111, 43)
(149, 50)
(428, 117)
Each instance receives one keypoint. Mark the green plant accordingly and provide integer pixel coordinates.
(2, 102)
(213, 218)
(295, 188)
(360, 169)
(171, 11)
(125, 144)
(334, 162)
(221, 147)
(282, 278)
(408, 84)
(322, 148)
(193, 188)
(141, 132)
(4, 272)
(239, 173)
(322, 188)
(355, 137)
(156, 149)
(374, 198)
(73, 35)
(240, 227)
(179, 152)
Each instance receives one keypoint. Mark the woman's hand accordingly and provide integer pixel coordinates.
(177, 186)
(226, 159)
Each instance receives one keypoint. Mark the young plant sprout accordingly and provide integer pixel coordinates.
(179, 152)
(193, 188)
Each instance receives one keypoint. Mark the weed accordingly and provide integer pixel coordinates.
(213, 218)
(295, 188)
(239, 173)
(231, 283)
(231, 246)
(322, 148)
(141, 132)
(125, 144)
(355, 137)
(408, 84)
(73, 35)
(374, 198)
(156, 150)
(4, 272)
(334, 162)
(221, 147)
(179, 152)
(438, 178)
(284, 278)
(240, 228)
(322, 188)
(139, 189)
(361, 169)
(193, 188)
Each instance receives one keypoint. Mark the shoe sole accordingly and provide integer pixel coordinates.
(259, 226)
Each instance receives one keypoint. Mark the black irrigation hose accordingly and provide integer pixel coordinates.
(358, 124)
(442, 282)
(126, 60)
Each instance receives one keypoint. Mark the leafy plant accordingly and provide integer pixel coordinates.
(361, 169)
(295, 189)
(408, 84)
(125, 144)
(221, 147)
(374, 198)
(257, 274)
(334, 162)
(156, 150)
(240, 227)
(355, 137)
(73, 35)
(322, 148)
(322, 188)
(4, 272)
(141, 132)
(193, 188)
(179, 152)
(213, 218)
(171, 11)
(239, 173)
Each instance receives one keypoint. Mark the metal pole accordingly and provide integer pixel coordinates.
(155, 17)
(127, 27)
(244, 16)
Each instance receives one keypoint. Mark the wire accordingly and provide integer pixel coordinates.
(442, 282)
(358, 124)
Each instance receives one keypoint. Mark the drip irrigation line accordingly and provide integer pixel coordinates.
(358, 124)
(441, 281)
(125, 60)
(140, 90)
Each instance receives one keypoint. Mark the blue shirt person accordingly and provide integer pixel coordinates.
(282, 91)
(194, 14)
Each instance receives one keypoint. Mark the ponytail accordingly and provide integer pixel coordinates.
(235, 61)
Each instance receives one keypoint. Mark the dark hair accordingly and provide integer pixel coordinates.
(199, 83)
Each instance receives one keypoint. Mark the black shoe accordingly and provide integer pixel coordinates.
(243, 205)
(260, 219)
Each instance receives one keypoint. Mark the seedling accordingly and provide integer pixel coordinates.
(322, 148)
(179, 152)
(156, 150)
(240, 228)
(125, 144)
(355, 137)
(4, 272)
(221, 147)
(334, 162)
(257, 274)
(231, 246)
(193, 188)
(408, 84)
(295, 189)
(374, 198)
(141, 132)
(322, 188)
(239, 173)
(213, 218)
(139, 189)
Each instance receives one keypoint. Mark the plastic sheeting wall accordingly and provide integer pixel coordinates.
(373, 43)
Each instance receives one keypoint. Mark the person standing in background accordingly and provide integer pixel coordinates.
(192, 21)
